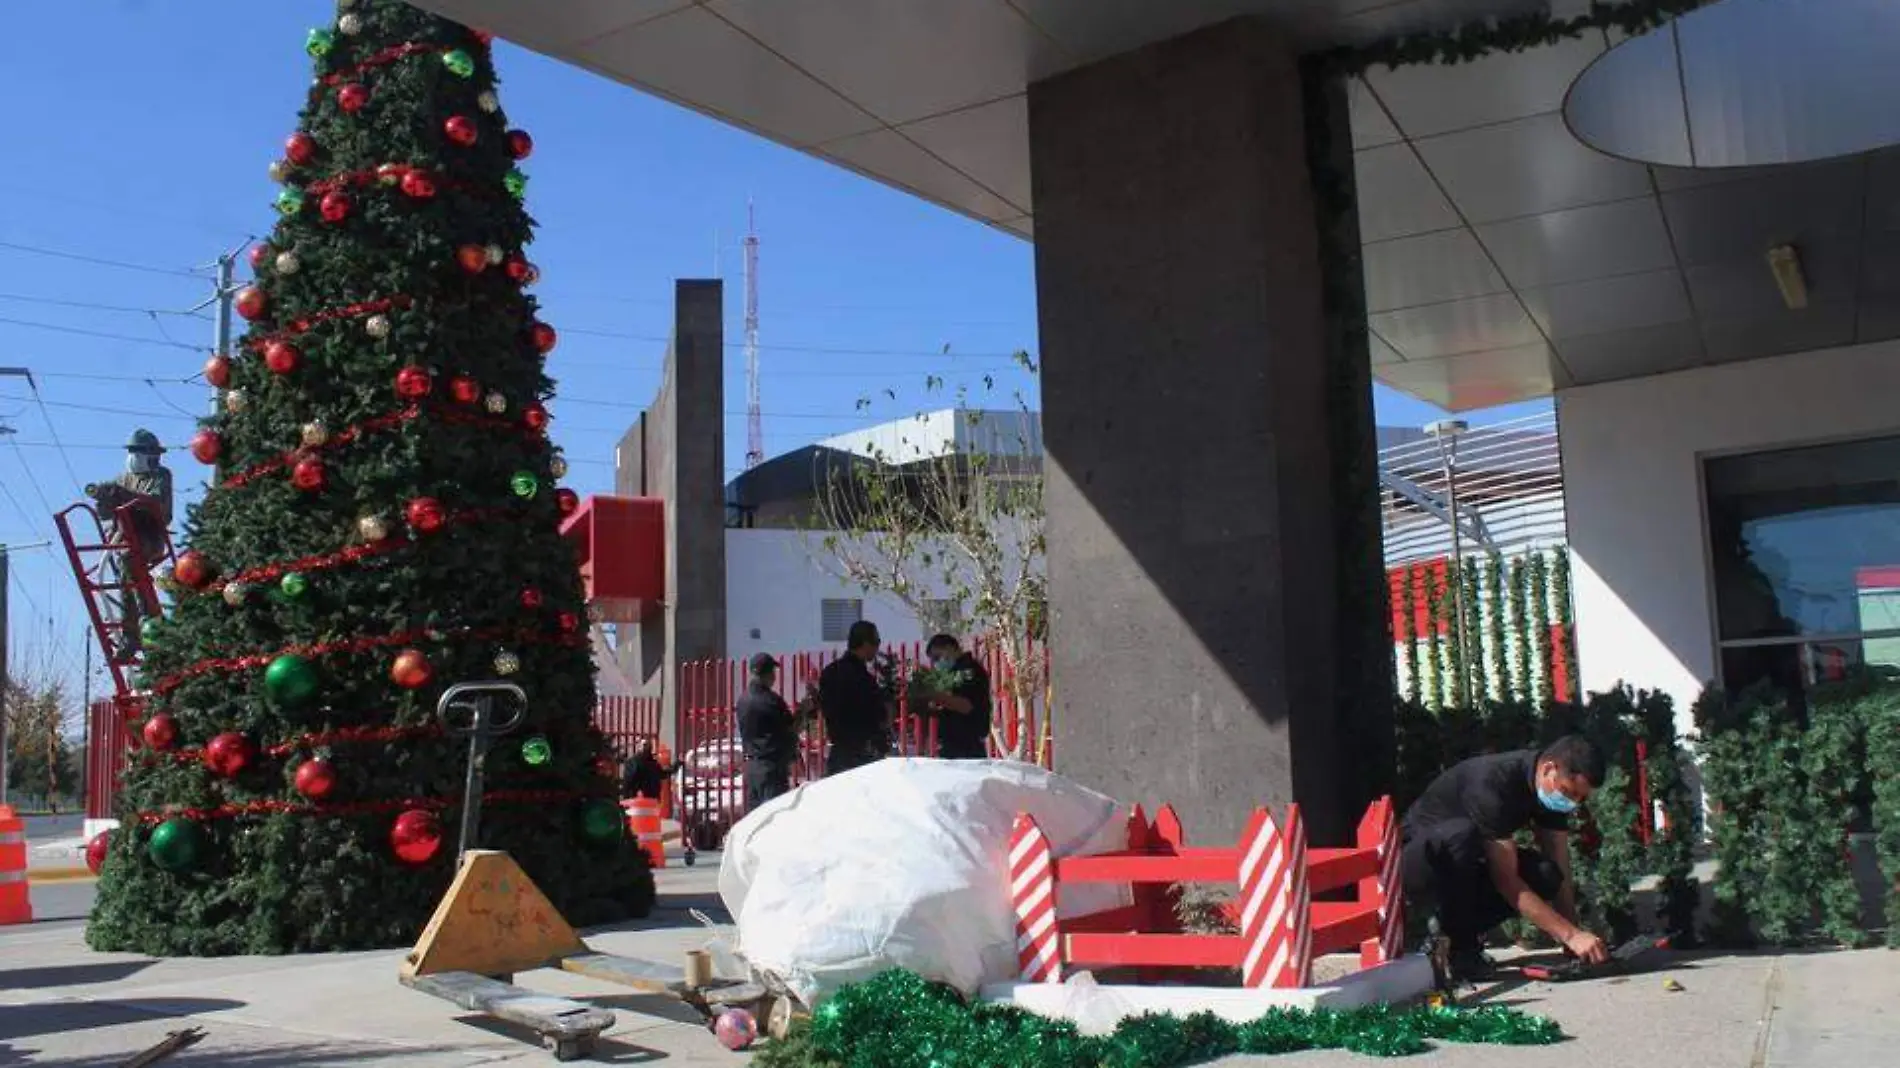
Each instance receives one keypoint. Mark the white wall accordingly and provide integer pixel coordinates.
(1632, 479)
(774, 586)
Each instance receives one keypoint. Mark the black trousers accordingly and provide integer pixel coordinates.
(843, 758)
(764, 781)
(962, 750)
(1446, 874)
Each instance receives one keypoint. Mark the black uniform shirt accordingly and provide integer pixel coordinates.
(765, 726)
(852, 701)
(967, 731)
(1498, 793)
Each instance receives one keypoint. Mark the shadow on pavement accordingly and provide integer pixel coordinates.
(58, 1017)
(606, 1050)
(70, 974)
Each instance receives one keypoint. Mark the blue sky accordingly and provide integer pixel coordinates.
(144, 141)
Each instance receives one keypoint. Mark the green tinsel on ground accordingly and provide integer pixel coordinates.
(898, 1020)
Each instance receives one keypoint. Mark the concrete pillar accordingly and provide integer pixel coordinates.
(1195, 433)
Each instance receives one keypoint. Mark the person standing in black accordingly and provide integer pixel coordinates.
(767, 731)
(1462, 862)
(643, 775)
(963, 714)
(856, 716)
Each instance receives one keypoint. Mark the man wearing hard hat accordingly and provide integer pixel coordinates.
(146, 483)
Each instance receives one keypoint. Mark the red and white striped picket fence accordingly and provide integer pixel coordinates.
(1281, 927)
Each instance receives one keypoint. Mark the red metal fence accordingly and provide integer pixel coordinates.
(106, 745)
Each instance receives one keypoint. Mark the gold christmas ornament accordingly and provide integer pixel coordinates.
(494, 254)
(315, 433)
(350, 25)
(372, 528)
(496, 403)
(288, 263)
(507, 663)
(234, 400)
(557, 467)
(488, 102)
(377, 326)
(279, 171)
(234, 593)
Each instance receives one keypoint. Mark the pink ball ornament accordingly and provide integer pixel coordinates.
(736, 1029)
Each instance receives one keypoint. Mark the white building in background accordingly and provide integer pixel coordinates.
(782, 594)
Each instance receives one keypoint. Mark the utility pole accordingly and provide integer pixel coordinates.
(754, 423)
(85, 721)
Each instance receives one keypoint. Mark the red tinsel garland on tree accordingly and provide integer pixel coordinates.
(350, 555)
(350, 735)
(395, 172)
(522, 635)
(392, 54)
(355, 808)
(348, 311)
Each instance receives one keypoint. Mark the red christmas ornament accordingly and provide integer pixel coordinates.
(299, 148)
(568, 622)
(460, 129)
(465, 390)
(544, 338)
(160, 732)
(217, 371)
(308, 474)
(534, 416)
(517, 269)
(352, 97)
(282, 357)
(425, 515)
(566, 500)
(416, 836)
(410, 670)
(96, 851)
(206, 446)
(483, 37)
(530, 597)
(192, 569)
(473, 258)
(418, 185)
(520, 145)
(229, 754)
(412, 383)
(315, 779)
(251, 302)
(259, 252)
(335, 206)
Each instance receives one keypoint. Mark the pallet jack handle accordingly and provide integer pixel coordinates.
(468, 708)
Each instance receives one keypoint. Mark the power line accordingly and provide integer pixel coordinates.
(31, 478)
(23, 298)
(103, 335)
(818, 350)
(98, 261)
(53, 432)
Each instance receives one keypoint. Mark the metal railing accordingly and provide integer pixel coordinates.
(1510, 493)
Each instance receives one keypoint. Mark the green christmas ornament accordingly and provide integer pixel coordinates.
(525, 484)
(601, 820)
(177, 845)
(516, 183)
(291, 680)
(536, 751)
(290, 202)
(319, 43)
(148, 630)
(294, 585)
(459, 63)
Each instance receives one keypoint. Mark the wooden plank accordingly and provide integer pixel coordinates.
(1125, 919)
(558, 1017)
(1157, 950)
(632, 972)
(1129, 866)
(1340, 925)
(1330, 869)
(493, 921)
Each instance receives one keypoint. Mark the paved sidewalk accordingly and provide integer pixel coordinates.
(61, 1004)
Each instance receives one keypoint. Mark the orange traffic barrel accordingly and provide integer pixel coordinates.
(15, 906)
(665, 756)
(643, 819)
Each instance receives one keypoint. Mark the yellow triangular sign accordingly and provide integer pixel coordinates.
(493, 921)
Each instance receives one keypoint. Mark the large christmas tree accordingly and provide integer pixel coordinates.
(382, 523)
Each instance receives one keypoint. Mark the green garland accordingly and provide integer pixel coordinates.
(1434, 634)
(1883, 751)
(1478, 39)
(1408, 634)
(1539, 567)
(1520, 630)
(1496, 643)
(1457, 687)
(1566, 618)
(899, 1020)
(1473, 667)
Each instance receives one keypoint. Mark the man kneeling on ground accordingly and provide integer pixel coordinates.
(1462, 862)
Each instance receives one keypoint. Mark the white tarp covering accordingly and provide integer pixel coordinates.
(904, 864)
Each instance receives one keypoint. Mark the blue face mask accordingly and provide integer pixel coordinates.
(1556, 801)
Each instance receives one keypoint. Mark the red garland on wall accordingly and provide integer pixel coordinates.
(522, 635)
(354, 808)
